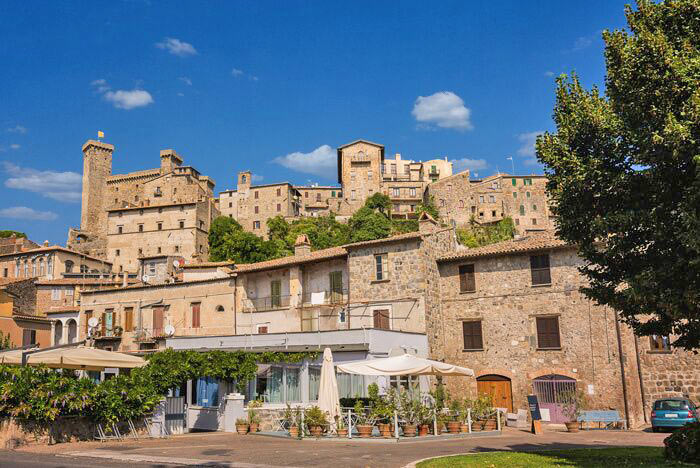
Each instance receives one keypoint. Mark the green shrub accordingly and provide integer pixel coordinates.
(684, 444)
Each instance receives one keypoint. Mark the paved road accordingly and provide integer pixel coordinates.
(230, 450)
(9, 458)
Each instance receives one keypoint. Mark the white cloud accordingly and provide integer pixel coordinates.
(256, 178)
(185, 80)
(100, 85)
(463, 164)
(236, 72)
(549, 73)
(17, 129)
(129, 99)
(177, 47)
(444, 109)
(581, 43)
(181, 94)
(532, 162)
(320, 162)
(14, 146)
(527, 143)
(60, 186)
(22, 212)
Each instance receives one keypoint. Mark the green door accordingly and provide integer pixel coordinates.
(336, 280)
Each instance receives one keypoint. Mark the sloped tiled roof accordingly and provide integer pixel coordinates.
(324, 254)
(81, 281)
(531, 242)
(56, 248)
(386, 240)
(195, 266)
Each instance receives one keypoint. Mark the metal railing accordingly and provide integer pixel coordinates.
(261, 304)
(324, 297)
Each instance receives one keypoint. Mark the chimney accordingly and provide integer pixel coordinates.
(46, 243)
(302, 246)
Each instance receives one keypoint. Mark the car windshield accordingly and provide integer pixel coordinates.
(671, 405)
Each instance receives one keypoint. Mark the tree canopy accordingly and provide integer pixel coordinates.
(624, 171)
(8, 233)
(475, 235)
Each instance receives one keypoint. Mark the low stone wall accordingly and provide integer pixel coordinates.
(269, 418)
(17, 432)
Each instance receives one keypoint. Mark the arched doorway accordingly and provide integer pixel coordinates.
(551, 390)
(58, 333)
(500, 389)
(72, 331)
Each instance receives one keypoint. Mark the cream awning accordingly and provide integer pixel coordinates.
(406, 364)
(79, 357)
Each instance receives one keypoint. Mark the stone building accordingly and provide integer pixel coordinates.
(513, 312)
(523, 198)
(14, 244)
(49, 262)
(252, 205)
(124, 216)
(318, 200)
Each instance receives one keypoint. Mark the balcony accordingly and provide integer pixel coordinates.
(262, 304)
(324, 298)
(360, 158)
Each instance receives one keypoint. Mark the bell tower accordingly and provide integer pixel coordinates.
(97, 166)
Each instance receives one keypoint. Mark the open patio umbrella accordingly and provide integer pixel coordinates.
(328, 400)
(406, 364)
(79, 357)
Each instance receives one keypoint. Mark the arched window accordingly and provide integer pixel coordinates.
(69, 266)
(461, 203)
(26, 269)
(33, 267)
(243, 179)
(219, 308)
(42, 271)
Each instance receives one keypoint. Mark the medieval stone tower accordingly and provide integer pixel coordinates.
(97, 166)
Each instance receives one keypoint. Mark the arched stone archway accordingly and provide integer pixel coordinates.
(498, 387)
(72, 330)
(552, 390)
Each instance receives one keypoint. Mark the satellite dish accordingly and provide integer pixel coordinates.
(145, 278)
(176, 263)
(93, 322)
(169, 330)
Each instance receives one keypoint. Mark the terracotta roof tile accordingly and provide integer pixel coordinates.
(399, 237)
(80, 281)
(208, 264)
(531, 242)
(324, 254)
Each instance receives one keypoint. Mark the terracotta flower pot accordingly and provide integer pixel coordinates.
(242, 429)
(491, 425)
(476, 426)
(316, 431)
(365, 430)
(409, 430)
(463, 427)
(572, 426)
(423, 430)
(453, 427)
(253, 427)
(384, 429)
(343, 432)
(294, 432)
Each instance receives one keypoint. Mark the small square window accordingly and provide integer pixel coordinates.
(140, 227)
(182, 224)
(548, 333)
(256, 224)
(160, 226)
(117, 252)
(660, 343)
(539, 269)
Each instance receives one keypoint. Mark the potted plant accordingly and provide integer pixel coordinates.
(574, 403)
(409, 409)
(316, 421)
(241, 426)
(117, 331)
(341, 428)
(381, 409)
(253, 416)
(292, 419)
(425, 416)
(365, 420)
(455, 411)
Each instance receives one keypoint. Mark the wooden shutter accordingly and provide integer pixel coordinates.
(195, 315)
(336, 283)
(471, 331)
(275, 293)
(128, 319)
(467, 280)
(548, 332)
(158, 321)
(88, 316)
(539, 269)
(381, 319)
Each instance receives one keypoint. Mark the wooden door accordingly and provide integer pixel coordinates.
(158, 321)
(500, 391)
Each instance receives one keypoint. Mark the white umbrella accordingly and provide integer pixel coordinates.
(328, 400)
(79, 357)
(406, 364)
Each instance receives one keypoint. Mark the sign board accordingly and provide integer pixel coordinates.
(534, 407)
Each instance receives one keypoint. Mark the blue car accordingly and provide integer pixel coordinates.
(673, 413)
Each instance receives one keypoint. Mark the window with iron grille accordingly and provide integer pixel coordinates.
(467, 280)
(539, 269)
(471, 331)
(548, 333)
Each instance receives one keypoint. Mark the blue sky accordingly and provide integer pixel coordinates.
(274, 87)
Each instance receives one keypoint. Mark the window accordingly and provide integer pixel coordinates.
(493, 213)
(548, 333)
(88, 316)
(514, 181)
(207, 392)
(140, 227)
(257, 209)
(396, 192)
(396, 208)
(275, 293)
(160, 210)
(56, 294)
(481, 214)
(182, 224)
(5, 273)
(177, 248)
(220, 308)
(534, 207)
(34, 267)
(412, 191)
(159, 250)
(352, 175)
(407, 169)
(527, 194)
(382, 319)
(659, 343)
(517, 222)
(314, 382)
(107, 322)
(369, 175)
(69, 292)
(467, 279)
(69, 267)
(527, 181)
(120, 229)
(381, 271)
(117, 252)
(243, 179)
(318, 197)
(306, 194)
(278, 384)
(351, 385)
(352, 195)
(522, 210)
(393, 168)
(257, 194)
(279, 207)
(28, 337)
(539, 269)
(332, 193)
(230, 204)
(279, 192)
(471, 331)
(408, 383)
(160, 226)
(262, 329)
(534, 221)
(256, 224)
(140, 251)
(481, 199)
(515, 195)
(492, 199)
(195, 314)
(128, 319)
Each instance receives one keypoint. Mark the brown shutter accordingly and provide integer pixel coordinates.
(158, 321)
(471, 331)
(381, 319)
(128, 319)
(195, 315)
(467, 281)
(88, 316)
(539, 268)
(548, 332)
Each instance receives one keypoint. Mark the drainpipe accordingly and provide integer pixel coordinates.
(641, 379)
(235, 312)
(622, 369)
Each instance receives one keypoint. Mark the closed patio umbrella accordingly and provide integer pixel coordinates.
(406, 364)
(328, 400)
(79, 357)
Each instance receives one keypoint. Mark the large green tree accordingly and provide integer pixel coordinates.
(624, 171)
(228, 241)
(372, 220)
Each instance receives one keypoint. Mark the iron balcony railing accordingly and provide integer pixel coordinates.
(260, 304)
(325, 297)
